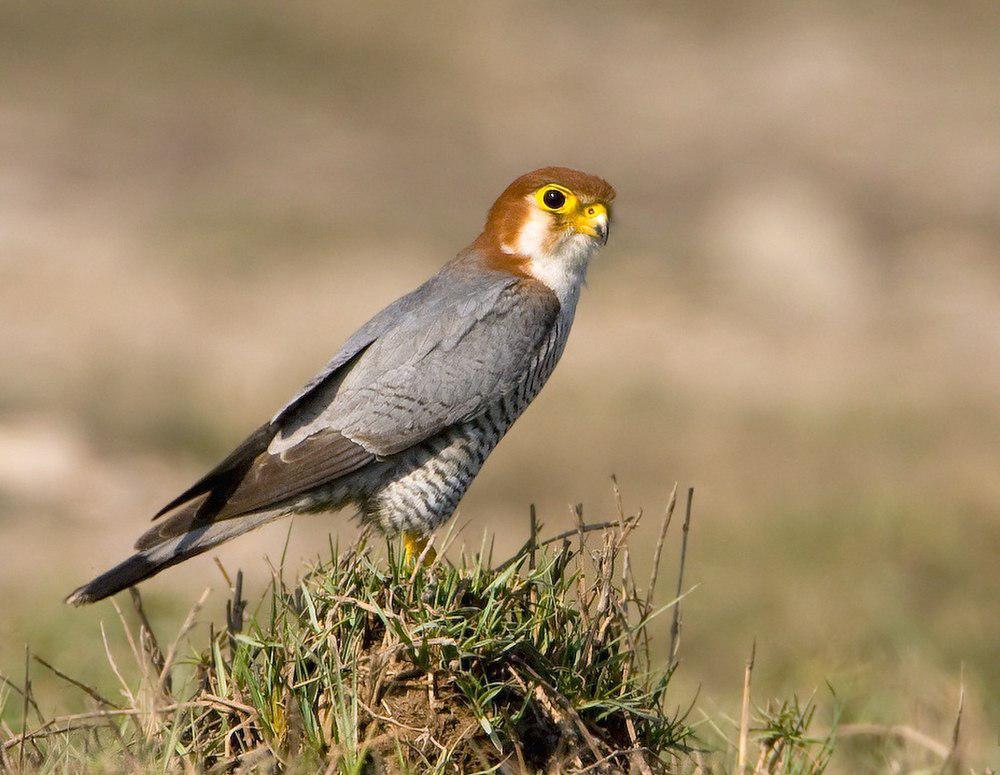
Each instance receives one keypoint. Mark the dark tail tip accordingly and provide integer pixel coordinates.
(155, 557)
(80, 596)
(133, 570)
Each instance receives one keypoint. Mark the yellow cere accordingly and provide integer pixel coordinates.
(588, 216)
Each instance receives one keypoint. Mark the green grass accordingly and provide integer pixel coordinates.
(368, 663)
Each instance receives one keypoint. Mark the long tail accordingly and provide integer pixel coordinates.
(152, 560)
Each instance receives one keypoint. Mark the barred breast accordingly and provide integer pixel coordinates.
(419, 489)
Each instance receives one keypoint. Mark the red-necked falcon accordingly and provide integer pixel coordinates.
(401, 419)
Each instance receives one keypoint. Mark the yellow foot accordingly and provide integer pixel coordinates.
(414, 544)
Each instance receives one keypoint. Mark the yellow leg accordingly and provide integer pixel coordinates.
(414, 544)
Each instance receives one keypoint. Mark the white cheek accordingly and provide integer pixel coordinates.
(534, 233)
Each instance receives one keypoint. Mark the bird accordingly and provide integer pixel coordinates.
(400, 421)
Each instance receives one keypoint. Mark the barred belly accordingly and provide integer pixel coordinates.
(419, 489)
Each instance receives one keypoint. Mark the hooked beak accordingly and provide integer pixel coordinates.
(593, 221)
(603, 230)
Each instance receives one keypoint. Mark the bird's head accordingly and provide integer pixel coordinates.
(548, 223)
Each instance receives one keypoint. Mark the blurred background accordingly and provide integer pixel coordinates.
(798, 313)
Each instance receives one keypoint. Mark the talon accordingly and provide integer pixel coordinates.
(414, 544)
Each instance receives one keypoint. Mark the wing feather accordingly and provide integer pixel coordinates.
(268, 481)
(438, 356)
(430, 372)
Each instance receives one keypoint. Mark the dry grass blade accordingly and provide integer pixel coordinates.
(128, 637)
(181, 633)
(559, 537)
(668, 515)
(580, 525)
(675, 626)
(88, 690)
(533, 537)
(222, 570)
(619, 502)
(211, 699)
(114, 668)
(147, 637)
(19, 691)
(953, 758)
(235, 609)
(741, 758)
(24, 707)
(119, 712)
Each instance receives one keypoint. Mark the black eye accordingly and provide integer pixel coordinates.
(554, 198)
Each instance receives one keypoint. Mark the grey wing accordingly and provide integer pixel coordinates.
(452, 358)
(313, 392)
(467, 363)
(438, 356)
(219, 484)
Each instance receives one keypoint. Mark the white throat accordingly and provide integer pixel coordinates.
(563, 266)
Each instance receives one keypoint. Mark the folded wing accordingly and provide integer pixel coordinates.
(438, 356)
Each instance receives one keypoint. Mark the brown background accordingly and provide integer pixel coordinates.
(798, 313)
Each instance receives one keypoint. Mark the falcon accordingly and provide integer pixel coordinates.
(401, 419)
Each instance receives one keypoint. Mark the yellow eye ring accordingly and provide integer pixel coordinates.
(555, 199)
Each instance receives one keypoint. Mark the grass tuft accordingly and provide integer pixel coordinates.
(370, 664)
(367, 663)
